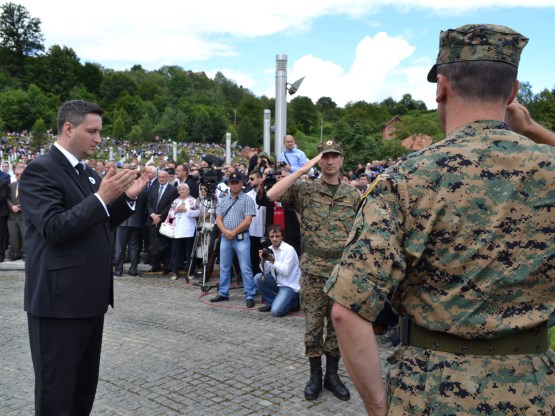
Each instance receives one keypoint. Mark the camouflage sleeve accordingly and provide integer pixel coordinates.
(293, 195)
(373, 260)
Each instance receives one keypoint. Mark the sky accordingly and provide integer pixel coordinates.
(348, 50)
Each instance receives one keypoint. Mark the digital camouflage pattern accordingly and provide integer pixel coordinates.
(425, 382)
(462, 234)
(479, 43)
(317, 309)
(326, 222)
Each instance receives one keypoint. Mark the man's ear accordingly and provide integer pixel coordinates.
(516, 87)
(441, 88)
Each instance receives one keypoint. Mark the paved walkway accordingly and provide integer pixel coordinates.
(168, 351)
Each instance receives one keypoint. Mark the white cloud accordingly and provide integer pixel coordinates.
(367, 79)
(120, 34)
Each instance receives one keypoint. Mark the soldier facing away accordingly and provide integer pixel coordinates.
(462, 235)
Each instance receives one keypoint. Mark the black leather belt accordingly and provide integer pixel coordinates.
(325, 254)
(531, 341)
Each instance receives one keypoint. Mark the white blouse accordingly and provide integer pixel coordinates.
(185, 222)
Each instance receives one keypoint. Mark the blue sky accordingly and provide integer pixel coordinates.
(348, 50)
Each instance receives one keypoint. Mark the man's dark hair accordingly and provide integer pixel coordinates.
(256, 173)
(482, 80)
(75, 112)
(275, 228)
(364, 175)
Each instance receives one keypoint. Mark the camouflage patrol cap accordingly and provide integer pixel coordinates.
(330, 146)
(478, 43)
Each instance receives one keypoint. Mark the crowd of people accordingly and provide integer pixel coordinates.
(458, 238)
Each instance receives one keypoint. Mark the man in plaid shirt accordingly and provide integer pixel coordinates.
(233, 218)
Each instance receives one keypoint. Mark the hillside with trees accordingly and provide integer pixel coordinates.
(177, 104)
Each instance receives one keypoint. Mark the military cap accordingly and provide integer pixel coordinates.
(171, 171)
(264, 154)
(478, 43)
(330, 146)
(235, 177)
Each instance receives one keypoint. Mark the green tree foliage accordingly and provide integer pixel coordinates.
(20, 37)
(545, 107)
(419, 122)
(302, 115)
(39, 134)
(56, 72)
(179, 104)
(118, 128)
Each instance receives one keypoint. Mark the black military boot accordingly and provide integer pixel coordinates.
(314, 387)
(332, 381)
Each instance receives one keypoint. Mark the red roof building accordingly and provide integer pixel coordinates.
(417, 142)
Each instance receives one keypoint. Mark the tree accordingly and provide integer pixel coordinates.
(302, 115)
(20, 36)
(39, 134)
(57, 72)
(118, 128)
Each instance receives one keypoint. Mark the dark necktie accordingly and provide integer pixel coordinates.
(83, 177)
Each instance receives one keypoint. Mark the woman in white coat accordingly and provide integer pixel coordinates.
(184, 212)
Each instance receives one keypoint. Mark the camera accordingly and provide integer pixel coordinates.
(282, 164)
(266, 253)
(271, 178)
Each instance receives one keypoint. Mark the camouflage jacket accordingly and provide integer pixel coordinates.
(326, 220)
(461, 233)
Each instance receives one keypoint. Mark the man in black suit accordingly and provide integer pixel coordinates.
(159, 200)
(68, 273)
(16, 229)
(4, 194)
(128, 235)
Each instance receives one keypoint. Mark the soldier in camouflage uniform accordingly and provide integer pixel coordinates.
(463, 236)
(327, 208)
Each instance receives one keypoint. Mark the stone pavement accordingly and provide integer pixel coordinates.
(168, 351)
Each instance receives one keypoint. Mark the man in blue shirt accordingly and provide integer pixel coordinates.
(291, 156)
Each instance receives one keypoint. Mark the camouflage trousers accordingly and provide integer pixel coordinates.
(426, 382)
(317, 310)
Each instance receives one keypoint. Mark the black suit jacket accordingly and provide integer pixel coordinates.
(4, 195)
(162, 207)
(68, 270)
(13, 200)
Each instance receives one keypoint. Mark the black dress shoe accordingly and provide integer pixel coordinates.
(219, 298)
(250, 303)
(117, 274)
(265, 308)
(132, 273)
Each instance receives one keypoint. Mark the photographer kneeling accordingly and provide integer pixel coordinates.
(279, 281)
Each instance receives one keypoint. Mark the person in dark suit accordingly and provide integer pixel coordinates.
(152, 173)
(128, 235)
(159, 200)
(4, 195)
(16, 229)
(68, 273)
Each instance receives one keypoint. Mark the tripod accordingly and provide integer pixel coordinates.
(202, 241)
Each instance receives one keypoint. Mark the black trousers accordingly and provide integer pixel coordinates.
(66, 359)
(256, 245)
(127, 237)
